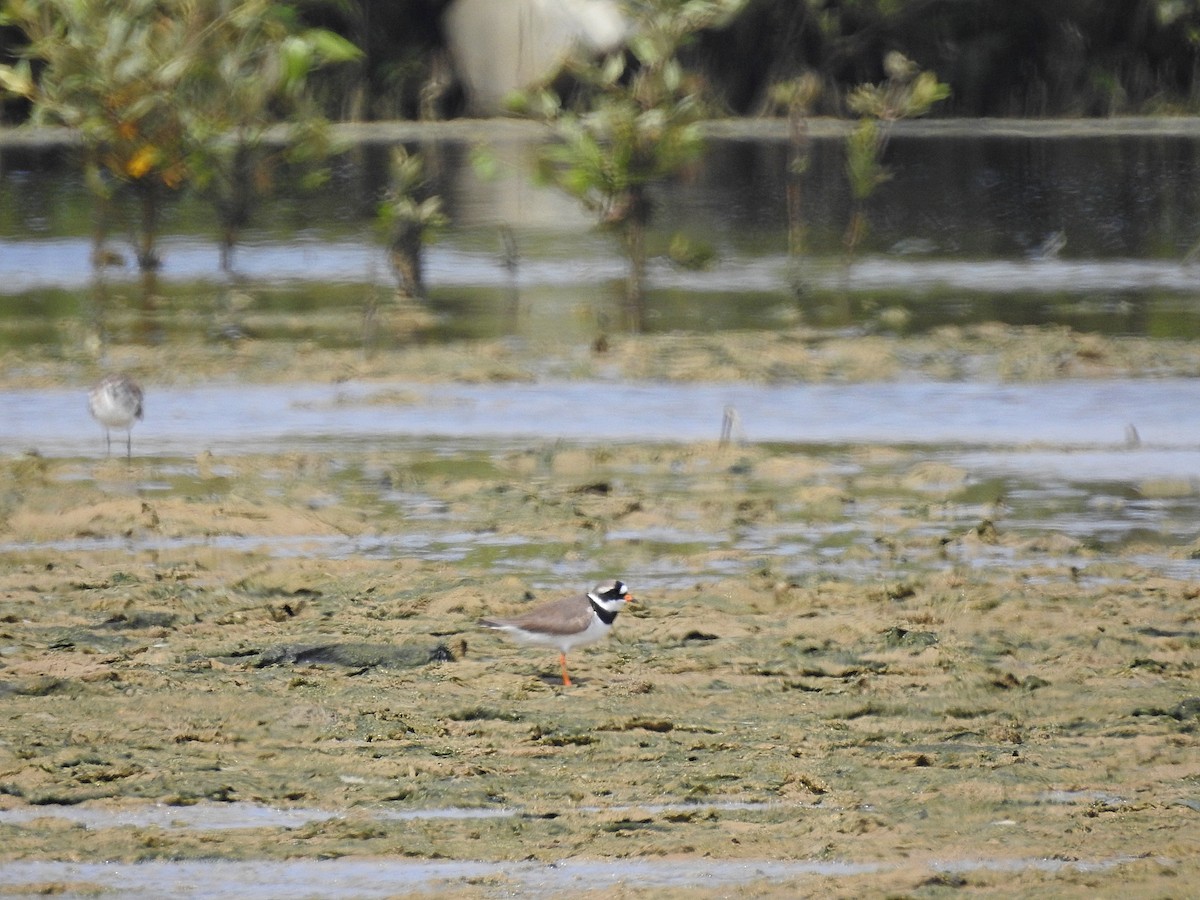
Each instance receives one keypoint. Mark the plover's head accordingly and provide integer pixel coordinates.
(611, 595)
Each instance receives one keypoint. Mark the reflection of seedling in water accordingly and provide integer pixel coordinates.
(689, 254)
(797, 97)
(487, 167)
(731, 427)
(908, 93)
(411, 216)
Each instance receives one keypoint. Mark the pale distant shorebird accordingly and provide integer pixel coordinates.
(116, 402)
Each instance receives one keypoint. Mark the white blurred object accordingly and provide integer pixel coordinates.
(501, 46)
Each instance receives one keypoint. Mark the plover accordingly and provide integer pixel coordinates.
(568, 622)
(116, 402)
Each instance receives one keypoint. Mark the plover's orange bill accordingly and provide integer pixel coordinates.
(569, 622)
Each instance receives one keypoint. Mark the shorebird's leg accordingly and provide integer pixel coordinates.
(562, 661)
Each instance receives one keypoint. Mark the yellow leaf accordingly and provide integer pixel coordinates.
(142, 161)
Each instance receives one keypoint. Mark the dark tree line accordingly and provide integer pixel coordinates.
(1000, 57)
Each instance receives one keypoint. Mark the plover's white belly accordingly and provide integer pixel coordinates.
(564, 642)
(110, 411)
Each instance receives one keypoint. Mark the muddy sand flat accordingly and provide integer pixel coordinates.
(241, 663)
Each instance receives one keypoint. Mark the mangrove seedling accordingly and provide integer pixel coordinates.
(907, 93)
(640, 123)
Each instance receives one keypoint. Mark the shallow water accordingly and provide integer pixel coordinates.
(1079, 426)
(227, 816)
(63, 263)
(362, 879)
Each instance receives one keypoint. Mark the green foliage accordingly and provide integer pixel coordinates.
(907, 93)
(109, 69)
(796, 96)
(251, 68)
(250, 72)
(864, 158)
(637, 131)
(641, 124)
(402, 206)
(166, 93)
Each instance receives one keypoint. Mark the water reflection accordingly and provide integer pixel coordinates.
(955, 237)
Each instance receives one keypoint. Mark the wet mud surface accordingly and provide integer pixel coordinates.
(850, 670)
(987, 352)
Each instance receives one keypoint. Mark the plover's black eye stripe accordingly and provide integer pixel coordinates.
(611, 590)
